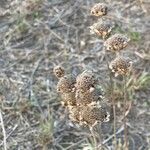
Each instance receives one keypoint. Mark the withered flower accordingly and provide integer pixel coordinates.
(59, 71)
(99, 9)
(74, 113)
(120, 66)
(68, 99)
(102, 29)
(66, 84)
(85, 81)
(91, 115)
(116, 42)
(88, 97)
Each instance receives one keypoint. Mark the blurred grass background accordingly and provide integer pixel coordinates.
(36, 35)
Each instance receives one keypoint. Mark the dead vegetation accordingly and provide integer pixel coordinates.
(35, 36)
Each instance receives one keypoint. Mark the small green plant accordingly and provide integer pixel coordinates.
(141, 82)
(22, 27)
(134, 36)
(45, 133)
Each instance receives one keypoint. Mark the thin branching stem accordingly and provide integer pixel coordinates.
(94, 138)
(114, 110)
(99, 135)
(113, 101)
(125, 103)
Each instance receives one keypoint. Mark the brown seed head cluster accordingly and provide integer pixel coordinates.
(85, 81)
(91, 115)
(116, 42)
(99, 9)
(102, 29)
(120, 66)
(68, 99)
(74, 114)
(88, 97)
(82, 98)
(59, 71)
(66, 84)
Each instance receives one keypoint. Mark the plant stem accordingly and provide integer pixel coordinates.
(125, 103)
(94, 138)
(100, 136)
(113, 101)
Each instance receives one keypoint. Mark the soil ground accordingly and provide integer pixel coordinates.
(37, 35)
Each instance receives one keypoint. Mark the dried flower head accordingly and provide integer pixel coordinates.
(59, 71)
(116, 42)
(85, 81)
(102, 29)
(68, 99)
(74, 113)
(120, 66)
(91, 115)
(99, 9)
(88, 97)
(66, 84)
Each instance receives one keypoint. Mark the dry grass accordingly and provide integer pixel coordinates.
(57, 33)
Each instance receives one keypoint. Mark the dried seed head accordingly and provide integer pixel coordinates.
(116, 43)
(88, 97)
(102, 29)
(85, 81)
(59, 71)
(120, 66)
(74, 113)
(91, 115)
(66, 84)
(68, 99)
(99, 9)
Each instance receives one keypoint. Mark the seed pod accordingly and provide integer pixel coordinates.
(120, 66)
(74, 113)
(68, 99)
(66, 84)
(99, 9)
(88, 97)
(102, 29)
(59, 71)
(91, 115)
(116, 42)
(85, 81)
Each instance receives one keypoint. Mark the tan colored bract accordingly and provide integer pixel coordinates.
(116, 42)
(99, 9)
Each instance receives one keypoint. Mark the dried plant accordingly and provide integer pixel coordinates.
(66, 84)
(91, 115)
(82, 99)
(59, 71)
(116, 42)
(85, 81)
(74, 114)
(68, 99)
(120, 66)
(80, 95)
(99, 9)
(102, 29)
(89, 97)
